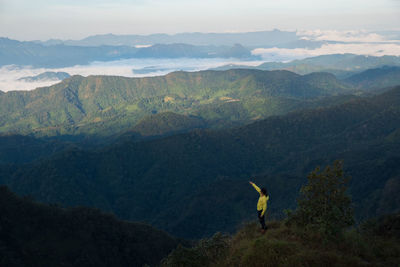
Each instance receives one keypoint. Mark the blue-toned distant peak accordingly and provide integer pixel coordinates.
(46, 76)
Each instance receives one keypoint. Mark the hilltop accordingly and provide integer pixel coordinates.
(373, 244)
(320, 231)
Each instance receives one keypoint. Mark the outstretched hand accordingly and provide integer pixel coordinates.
(250, 182)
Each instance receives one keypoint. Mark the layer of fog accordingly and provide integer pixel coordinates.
(370, 49)
(352, 36)
(355, 42)
(9, 75)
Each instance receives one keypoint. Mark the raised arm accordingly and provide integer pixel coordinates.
(255, 187)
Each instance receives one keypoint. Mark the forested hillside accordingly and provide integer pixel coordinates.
(152, 133)
(166, 123)
(376, 78)
(106, 105)
(33, 234)
(203, 174)
(19, 149)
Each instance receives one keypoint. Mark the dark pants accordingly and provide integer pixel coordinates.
(261, 219)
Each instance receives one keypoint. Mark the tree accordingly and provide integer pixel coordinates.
(324, 202)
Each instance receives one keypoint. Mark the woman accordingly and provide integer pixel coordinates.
(261, 205)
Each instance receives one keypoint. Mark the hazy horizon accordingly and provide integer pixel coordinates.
(364, 27)
(349, 35)
(46, 19)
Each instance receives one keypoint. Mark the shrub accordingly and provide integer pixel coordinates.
(206, 252)
(324, 204)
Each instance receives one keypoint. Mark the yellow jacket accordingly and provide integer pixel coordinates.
(262, 201)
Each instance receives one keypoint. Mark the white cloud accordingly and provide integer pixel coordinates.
(327, 49)
(143, 46)
(343, 36)
(9, 75)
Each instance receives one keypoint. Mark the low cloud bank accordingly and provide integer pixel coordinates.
(334, 42)
(344, 36)
(9, 75)
(371, 49)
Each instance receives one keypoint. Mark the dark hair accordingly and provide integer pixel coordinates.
(264, 191)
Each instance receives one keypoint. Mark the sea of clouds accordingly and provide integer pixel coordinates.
(336, 42)
(10, 75)
(332, 42)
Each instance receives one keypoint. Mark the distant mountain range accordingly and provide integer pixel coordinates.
(62, 54)
(37, 55)
(46, 76)
(196, 183)
(13, 52)
(250, 39)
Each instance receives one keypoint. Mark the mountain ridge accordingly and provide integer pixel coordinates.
(95, 104)
(57, 55)
(257, 38)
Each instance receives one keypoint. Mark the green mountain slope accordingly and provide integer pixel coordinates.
(376, 78)
(105, 105)
(166, 123)
(21, 149)
(203, 174)
(35, 234)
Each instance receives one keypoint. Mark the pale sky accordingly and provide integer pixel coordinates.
(76, 19)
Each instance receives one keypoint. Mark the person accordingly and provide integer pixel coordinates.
(261, 205)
